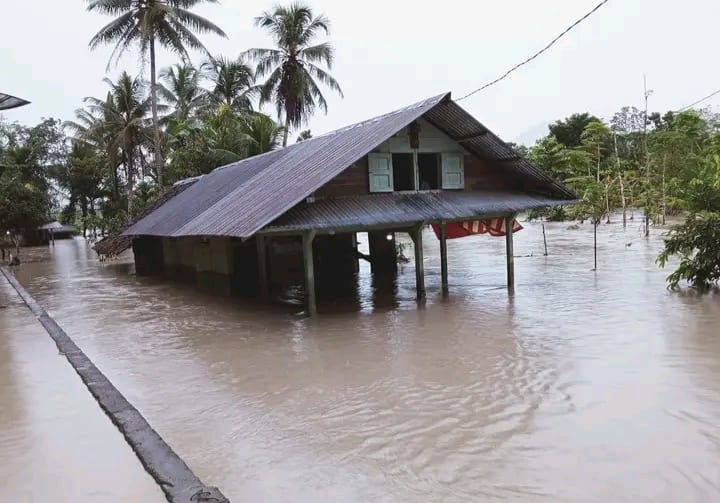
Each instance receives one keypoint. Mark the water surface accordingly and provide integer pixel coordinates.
(583, 387)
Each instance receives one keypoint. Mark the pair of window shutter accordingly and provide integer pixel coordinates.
(381, 172)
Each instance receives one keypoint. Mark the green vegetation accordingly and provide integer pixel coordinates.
(101, 169)
(122, 149)
(292, 69)
(664, 166)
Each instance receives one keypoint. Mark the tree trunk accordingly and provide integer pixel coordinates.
(622, 184)
(84, 212)
(156, 122)
(622, 200)
(595, 226)
(664, 204)
(286, 132)
(130, 169)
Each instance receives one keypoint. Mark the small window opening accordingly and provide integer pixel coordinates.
(403, 176)
(429, 168)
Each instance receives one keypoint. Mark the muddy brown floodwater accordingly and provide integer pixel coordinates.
(585, 387)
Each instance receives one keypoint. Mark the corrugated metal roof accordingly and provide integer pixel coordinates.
(57, 226)
(405, 208)
(117, 243)
(7, 102)
(459, 125)
(241, 198)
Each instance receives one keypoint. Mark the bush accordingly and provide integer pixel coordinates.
(697, 243)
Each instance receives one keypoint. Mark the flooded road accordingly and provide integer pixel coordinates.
(584, 387)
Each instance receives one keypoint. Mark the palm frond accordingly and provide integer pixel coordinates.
(109, 7)
(324, 77)
(321, 53)
(195, 22)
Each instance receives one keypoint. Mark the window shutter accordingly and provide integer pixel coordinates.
(453, 171)
(381, 172)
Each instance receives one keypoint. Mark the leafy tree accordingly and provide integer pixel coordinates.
(569, 131)
(169, 23)
(232, 83)
(198, 147)
(181, 90)
(28, 156)
(120, 123)
(264, 134)
(292, 69)
(697, 243)
(83, 179)
(304, 135)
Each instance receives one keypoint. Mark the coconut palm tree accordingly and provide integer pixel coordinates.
(120, 122)
(263, 133)
(181, 90)
(169, 23)
(292, 69)
(233, 83)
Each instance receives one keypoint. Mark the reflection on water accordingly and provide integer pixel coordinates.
(56, 445)
(584, 386)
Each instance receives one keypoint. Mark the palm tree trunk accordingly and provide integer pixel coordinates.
(156, 122)
(286, 132)
(130, 169)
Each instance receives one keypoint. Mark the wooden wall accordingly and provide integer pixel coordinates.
(481, 175)
(351, 182)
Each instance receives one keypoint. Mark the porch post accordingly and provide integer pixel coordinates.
(308, 238)
(443, 258)
(52, 236)
(509, 252)
(262, 266)
(416, 235)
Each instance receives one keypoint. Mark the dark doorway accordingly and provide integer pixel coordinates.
(429, 168)
(403, 176)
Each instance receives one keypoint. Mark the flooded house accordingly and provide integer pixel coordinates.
(301, 207)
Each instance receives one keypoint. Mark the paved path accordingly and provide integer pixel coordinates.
(176, 480)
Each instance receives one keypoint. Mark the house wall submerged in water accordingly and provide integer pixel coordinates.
(297, 210)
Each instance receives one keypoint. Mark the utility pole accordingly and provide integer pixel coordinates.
(646, 94)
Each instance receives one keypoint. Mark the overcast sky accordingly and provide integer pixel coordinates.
(390, 53)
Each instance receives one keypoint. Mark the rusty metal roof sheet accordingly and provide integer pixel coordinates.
(405, 208)
(241, 198)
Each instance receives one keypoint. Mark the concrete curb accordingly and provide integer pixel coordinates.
(177, 481)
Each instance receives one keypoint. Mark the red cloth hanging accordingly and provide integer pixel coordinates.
(492, 226)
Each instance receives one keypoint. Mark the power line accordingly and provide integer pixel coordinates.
(537, 53)
(698, 101)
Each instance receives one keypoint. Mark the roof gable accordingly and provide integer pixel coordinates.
(241, 198)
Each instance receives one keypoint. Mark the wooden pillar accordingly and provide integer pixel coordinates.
(443, 258)
(262, 266)
(311, 304)
(416, 235)
(52, 236)
(510, 253)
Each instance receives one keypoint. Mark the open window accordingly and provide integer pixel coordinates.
(403, 172)
(429, 170)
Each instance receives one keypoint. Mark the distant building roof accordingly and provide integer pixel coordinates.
(57, 227)
(241, 198)
(7, 102)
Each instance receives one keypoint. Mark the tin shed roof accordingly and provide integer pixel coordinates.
(405, 208)
(241, 198)
(7, 102)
